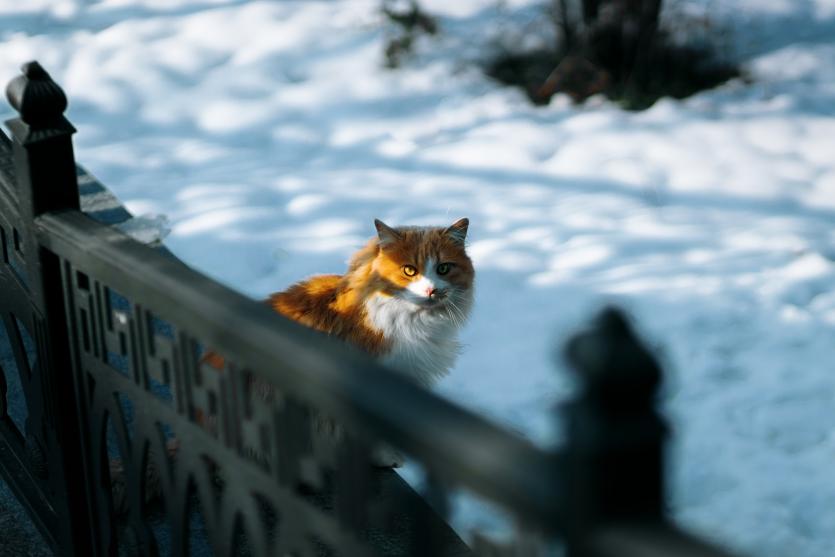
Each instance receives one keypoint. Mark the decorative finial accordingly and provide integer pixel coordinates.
(37, 98)
(612, 363)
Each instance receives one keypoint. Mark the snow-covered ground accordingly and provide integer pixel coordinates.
(270, 136)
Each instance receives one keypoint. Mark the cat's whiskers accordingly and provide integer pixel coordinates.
(456, 313)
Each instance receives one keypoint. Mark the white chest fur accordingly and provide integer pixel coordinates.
(424, 344)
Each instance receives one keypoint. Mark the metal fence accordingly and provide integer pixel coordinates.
(119, 438)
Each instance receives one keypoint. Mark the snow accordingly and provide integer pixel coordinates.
(270, 137)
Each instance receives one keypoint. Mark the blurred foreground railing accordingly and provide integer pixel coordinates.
(119, 438)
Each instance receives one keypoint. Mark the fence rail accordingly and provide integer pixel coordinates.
(131, 443)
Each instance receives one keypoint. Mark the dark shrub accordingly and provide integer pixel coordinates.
(614, 47)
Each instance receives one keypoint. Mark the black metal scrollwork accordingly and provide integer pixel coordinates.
(220, 436)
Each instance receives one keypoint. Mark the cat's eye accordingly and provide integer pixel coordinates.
(409, 270)
(443, 268)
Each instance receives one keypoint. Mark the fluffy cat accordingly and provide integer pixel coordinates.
(403, 299)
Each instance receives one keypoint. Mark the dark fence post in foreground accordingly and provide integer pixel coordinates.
(45, 180)
(615, 436)
(614, 453)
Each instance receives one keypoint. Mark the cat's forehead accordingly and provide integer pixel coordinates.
(419, 243)
(419, 230)
(419, 233)
(424, 237)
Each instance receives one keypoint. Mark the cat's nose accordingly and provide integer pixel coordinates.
(432, 292)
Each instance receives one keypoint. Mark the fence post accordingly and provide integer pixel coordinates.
(46, 181)
(42, 137)
(615, 436)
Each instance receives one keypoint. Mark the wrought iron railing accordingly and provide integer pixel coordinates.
(131, 442)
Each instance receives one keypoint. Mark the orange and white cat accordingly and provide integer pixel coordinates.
(403, 299)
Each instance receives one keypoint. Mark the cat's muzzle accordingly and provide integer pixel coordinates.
(437, 296)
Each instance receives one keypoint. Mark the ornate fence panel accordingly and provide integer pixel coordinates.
(169, 415)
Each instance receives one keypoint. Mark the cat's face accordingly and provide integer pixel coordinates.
(426, 266)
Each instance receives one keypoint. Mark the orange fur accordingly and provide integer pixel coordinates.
(325, 304)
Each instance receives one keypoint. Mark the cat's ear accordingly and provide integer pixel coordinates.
(386, 233)
(458, 230)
